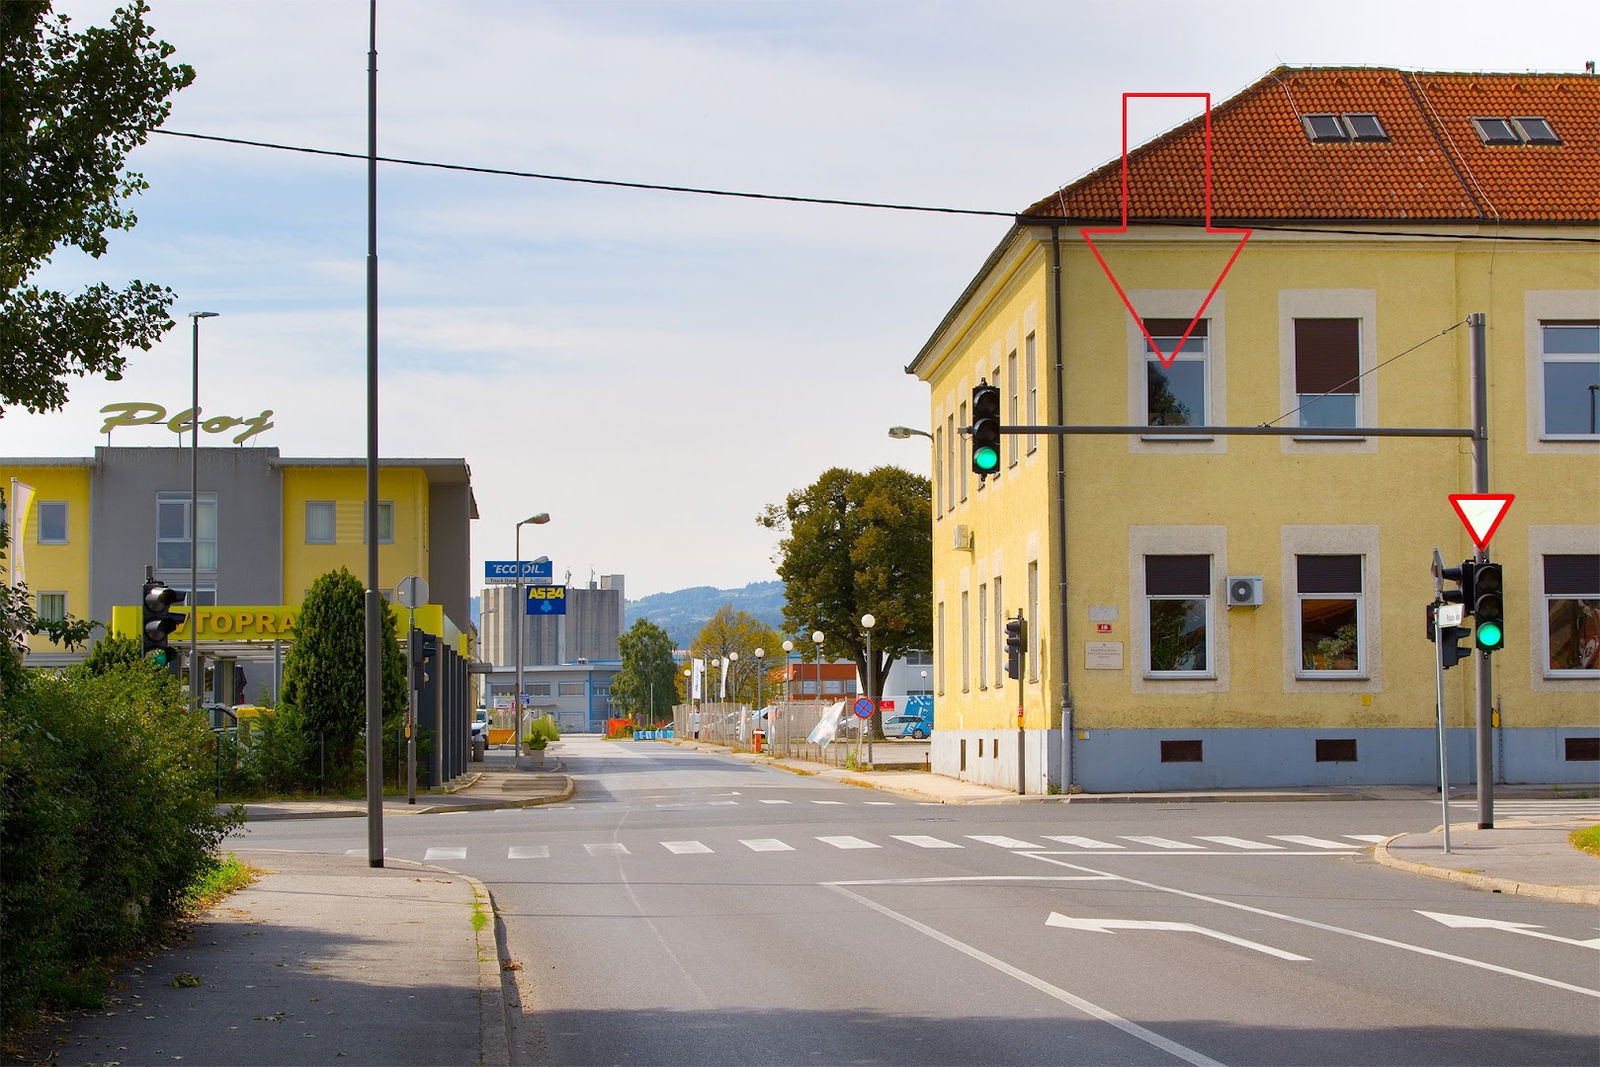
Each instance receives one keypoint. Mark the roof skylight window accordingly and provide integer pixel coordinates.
(1325, 128)
(1496, 131)
(1365, 128)
(1536, 130)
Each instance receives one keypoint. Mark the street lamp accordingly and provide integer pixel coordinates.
(760, 655)
(517, 610)
(867, 623)
(788, 655)
(817, 638)
(900, 433)
(196, 675)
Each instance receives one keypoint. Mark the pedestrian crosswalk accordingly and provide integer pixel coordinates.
(1053, 844)
(1525, 808)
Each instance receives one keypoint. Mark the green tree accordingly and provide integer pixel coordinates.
(729, 632)
(324, 674)
(112, 652)
(72, 107)
(647, 684)
(857, 544)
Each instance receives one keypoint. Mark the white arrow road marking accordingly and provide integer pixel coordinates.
(1468, 922)
(1106, 926)
(1089, 1008)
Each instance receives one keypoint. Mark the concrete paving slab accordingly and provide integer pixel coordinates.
(1525, 857)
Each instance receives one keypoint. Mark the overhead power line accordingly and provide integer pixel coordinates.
(696, 190)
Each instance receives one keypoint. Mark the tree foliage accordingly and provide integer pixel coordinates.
(72, 107)
(647, 684)
(324, 673)
(857, 544)
(728, 632)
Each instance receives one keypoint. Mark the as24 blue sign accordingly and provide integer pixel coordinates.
(547, 600)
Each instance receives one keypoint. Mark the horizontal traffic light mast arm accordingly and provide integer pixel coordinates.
(1242, 431)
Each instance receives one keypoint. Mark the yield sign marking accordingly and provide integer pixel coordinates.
(1469, 922)
(1481, 513)
(1106, 926)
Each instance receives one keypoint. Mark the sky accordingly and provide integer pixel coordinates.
(650, 368)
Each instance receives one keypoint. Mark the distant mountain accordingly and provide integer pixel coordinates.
(684, 612)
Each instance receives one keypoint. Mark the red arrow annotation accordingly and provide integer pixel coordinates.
(1481, 513)
(1165, 357)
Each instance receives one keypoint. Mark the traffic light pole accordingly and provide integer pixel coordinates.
(1438, 711)
(1484, 682)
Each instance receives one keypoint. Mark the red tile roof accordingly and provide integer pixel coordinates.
(1433, 167)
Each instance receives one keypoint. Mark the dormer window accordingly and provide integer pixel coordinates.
(1524, 129)
(1359, 126)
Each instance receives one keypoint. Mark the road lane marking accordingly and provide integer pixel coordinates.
(766, 844)
(528, 852)
(1327, 927)
(1468, 922)
(840, 802)
(879, 803)
(362, 851)
(787, 802)
(1240, 842)
(721, 803)
(1159, 842)
(1080, 842)
(1313, 842)
(444, 854)
(685, 848)
(1094, 1011)
(845, 841)
(1106, 926)
(1370, 838)
(1000, 841)
(607, 848)
(923, 841)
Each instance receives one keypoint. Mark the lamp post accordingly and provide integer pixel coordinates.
(900, 433)
(688, 696)
(817, 638)
(760, 655)
(867, 623)
(788, 660)
(196, 675)
(517, 610)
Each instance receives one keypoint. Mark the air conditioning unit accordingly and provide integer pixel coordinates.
(1245, 592)
(963, 538)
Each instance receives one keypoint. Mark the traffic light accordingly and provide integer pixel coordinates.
(423, 653)
(1488, 606)
(1462, 576)
(985, 428)
(160, 620)
(1016, 639)
(1451, 651)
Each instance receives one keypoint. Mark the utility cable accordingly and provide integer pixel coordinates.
(1374, 370)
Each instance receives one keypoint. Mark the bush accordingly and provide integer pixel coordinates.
(106, 818)
(541, 732)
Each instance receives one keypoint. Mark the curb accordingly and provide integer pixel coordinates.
(494, 1018)
(430, 809)
(1562, 894)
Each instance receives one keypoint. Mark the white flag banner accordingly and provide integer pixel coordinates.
(20, 503)
(696, 679)
(722, 690)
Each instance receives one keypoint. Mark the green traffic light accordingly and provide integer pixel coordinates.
(1490, 636)
(986, 459)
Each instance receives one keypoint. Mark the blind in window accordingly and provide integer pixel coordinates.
(1572, 576)
(1177, 575)
(1329, 574)
(1327, 355)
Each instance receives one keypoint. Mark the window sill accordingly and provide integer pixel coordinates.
(1570, 438)
(1342, 439)
(1162, 438)
(1180, 676)
(1570, 676)
(1331, 676)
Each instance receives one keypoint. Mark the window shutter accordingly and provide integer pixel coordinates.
(1177, 575)
(1329, 574)
(1572, 576)
(1327, 355)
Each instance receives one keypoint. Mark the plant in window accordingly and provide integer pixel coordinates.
(1336, 652)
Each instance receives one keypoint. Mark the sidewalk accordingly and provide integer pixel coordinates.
(494, 783)
(325, 960)
(1522, 857)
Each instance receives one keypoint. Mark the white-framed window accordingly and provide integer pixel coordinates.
(385, 522)
(1013, 405)
(1327, 372)
(571, 689)
(52, 607)
(1175, 392)
(983, 630)
(320, 522)
(966, 649)
(963, 458)
(941, 649)
(952, 460)
(938, 472)
(1328, 589)
(1572, 614)
(52, 522)
(999, 634)
(1030, 361)
(1569, 353)
(173, 531)
(206, 597)
(1178, 615)
(1034, 624)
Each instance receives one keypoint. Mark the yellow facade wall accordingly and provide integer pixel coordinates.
(346, 488)
(1257, 498)
(53, 568)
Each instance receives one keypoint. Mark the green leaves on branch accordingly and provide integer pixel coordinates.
(647, 684)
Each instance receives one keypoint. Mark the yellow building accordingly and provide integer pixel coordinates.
(1384, 209)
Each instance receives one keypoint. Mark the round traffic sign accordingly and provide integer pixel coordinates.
(864, 707)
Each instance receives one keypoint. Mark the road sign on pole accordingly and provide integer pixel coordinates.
(1481, 514)
(863, 708)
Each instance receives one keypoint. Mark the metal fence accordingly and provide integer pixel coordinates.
(785, 729)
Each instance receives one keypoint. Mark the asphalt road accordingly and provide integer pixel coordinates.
(692, 908)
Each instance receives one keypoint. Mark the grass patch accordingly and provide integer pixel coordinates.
(1586, 840)
(480, 917)
(225, 875)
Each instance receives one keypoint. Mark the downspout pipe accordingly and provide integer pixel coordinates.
(1063, 644)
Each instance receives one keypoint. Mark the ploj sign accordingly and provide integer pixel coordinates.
(138, 413)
